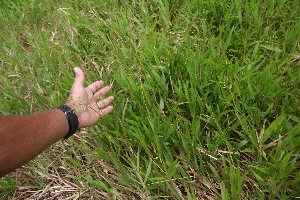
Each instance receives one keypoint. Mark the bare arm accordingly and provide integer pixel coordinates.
(24, 137)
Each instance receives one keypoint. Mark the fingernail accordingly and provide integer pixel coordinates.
(76, 69)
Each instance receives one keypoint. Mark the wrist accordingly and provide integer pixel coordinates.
(72, 119)
(76, 109)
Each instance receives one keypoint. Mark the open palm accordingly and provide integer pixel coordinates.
(85, 101)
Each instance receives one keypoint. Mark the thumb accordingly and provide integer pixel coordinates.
(79, 79)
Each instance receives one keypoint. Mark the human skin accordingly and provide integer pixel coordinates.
(22, 137)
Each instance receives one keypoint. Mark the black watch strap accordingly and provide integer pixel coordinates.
(72, 120)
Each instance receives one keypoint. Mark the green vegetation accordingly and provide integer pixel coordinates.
(207, 97)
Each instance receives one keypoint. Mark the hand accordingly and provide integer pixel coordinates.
(85, 102)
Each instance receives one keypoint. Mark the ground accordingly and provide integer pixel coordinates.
(207, 97)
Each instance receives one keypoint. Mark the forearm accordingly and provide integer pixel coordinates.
(24, 137)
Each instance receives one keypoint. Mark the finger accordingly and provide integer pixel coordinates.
(101, 92)
(105, 102)
(95, 86)
(79, 79)
(107, 110)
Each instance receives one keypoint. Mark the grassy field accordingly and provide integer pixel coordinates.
(207, 97)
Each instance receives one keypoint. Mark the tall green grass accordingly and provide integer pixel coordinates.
(207, 97)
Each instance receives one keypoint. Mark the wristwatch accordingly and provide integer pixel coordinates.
(72, 119)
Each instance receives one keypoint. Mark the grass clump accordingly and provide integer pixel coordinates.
(207, 97)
